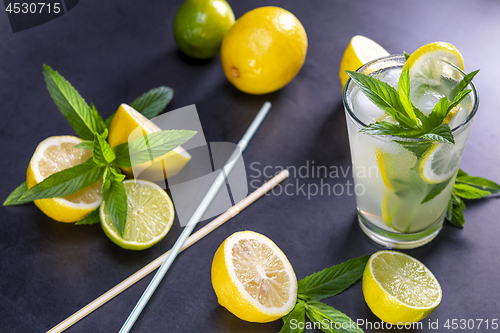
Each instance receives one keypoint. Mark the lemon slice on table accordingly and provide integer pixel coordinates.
(359, 51)
(399, 289)
(253, 279)
(150, 215)
(53, 155)
(124, 123)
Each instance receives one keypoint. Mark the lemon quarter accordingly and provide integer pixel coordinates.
(253, 279)
(56, 154)
(399, 289)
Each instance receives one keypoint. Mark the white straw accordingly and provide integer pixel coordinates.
(233, 211)
(219, 181)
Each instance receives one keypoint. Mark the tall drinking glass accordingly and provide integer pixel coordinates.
(407, 183)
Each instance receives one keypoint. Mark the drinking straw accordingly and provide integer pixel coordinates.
(219, 181)
(231, 212)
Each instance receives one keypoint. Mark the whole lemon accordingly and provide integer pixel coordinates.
(200, 27)
(264, 50)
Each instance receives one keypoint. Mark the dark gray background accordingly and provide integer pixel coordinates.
(113, 51)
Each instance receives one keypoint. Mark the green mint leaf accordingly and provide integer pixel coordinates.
(71, 104)
(86, 144)
(463, 84)
(417, 148)
(404, 95)
(100, 126)
(103, 154)
(457, 200)
(459, 98)
(439, 112)
(150, 146)
(115, 200)
(435, 190)
(478, 182)
(296, 318)
(65, 182)
(106, 180)
(457, 216)
(425, 123)
(332, 281)
(330, 320)
(14, 196)
(383, 96)
(441, 133)
(117, 175)
(469, 192)
(407, 56)
(92, 218)
(388, 128)
(153, 102)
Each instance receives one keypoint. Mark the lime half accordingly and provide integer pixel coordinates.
(149, 217)
(400, 289)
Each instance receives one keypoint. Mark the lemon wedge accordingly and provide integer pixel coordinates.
(125, 122)
(253, 279)
(53, 155)
(360, 51)
(399, 289)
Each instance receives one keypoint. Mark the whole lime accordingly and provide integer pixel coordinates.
(200, 27)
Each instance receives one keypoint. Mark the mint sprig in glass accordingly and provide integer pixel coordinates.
(407, 133)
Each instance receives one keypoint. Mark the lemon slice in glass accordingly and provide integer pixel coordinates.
(400, 289)
(440, 163)
(253, 279)
(150, 215)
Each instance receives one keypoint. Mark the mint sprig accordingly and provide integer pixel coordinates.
(315, 287)
(105, 163)
(467, 187)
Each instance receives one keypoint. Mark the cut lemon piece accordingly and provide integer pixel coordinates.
(399, 288)
(360, 51)
(126, 122)
(150, 215)
(53, 155)
(429, 63)
(440, 162)
(253, 278)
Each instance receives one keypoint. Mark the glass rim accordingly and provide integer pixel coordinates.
(362, 125)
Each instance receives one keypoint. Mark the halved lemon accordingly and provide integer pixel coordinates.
(253, 279)
(127, 121)
(53, 155)
(359, 51)
(429, 63)
(150, 215)
(399, 289)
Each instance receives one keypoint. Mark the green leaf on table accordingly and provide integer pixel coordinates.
(441, 133)
(86, 144)
(296, 318)
(456, 216)
(469, 192)
(115, 201)
(407, 56)
(404, 95)
(383, 96)
(330, 320)
(435, 190)
(387, 128)
(332, 281)
(153, 102)
(463, 84)
(477, 182)
(103, 154)
(457, 200)
(14, 196)
(73, 107)
(148, 147)
(65, 182)
(92, 218)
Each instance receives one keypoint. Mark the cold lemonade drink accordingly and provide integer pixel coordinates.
(407, 181)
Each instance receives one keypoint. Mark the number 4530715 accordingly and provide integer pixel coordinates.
(32, 8)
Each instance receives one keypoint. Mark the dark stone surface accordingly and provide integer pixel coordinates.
(113, 51)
